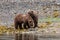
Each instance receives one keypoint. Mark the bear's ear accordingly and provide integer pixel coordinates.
(30, 12)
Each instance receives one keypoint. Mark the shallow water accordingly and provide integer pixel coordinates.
(39, 37)
(7, 37)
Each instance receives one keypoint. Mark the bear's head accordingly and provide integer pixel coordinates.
(33, 13)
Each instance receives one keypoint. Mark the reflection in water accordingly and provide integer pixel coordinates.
(29, 36)
(18, 36)
(26, 36)
(6, 37)
(32, 36)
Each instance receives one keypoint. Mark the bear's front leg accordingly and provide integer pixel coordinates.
(35, 23)
(20, 26)
(28, 25)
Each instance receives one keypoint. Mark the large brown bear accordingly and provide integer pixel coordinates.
(24, 19)
(34, 15)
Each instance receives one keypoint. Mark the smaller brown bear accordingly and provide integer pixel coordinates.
(24, 19)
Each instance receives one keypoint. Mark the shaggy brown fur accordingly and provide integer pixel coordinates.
(24, 19)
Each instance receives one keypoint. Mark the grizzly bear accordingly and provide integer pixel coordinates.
(34, 15)
(24, 20)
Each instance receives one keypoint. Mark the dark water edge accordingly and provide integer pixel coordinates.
(30, 36)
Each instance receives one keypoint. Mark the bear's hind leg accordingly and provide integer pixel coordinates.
(25, 25)
(20, 26)
(16, 25)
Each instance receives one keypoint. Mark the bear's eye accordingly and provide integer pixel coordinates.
(30, 21)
